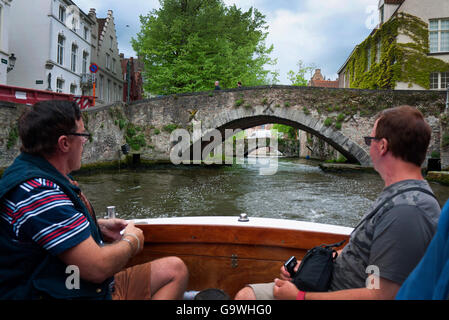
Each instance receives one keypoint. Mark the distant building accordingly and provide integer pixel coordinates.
(133, 68)
(408, 50)
(105, 53)
(5, 6)
(318, 80)
(50, 39)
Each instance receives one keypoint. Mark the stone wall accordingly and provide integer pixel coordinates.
(444, 143)
(9, 137)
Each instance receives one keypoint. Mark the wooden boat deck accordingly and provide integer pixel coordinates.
(221, 252)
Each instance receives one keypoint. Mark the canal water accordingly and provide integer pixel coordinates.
(299, 190)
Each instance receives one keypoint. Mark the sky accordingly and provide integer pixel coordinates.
(320, 33)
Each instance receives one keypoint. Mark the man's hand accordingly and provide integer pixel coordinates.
(110, 228)
(284, 290)
(285, 275)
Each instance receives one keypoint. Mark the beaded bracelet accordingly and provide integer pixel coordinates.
(130, 243)
(135, 237)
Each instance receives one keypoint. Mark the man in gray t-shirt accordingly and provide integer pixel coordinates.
(391, 239)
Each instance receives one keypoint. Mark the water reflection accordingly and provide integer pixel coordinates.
(299, 190)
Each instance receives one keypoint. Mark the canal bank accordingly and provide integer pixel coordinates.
(438, 176)
(441, 177)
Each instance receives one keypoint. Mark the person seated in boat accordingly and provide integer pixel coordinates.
(52, 245)
(430, 279)
(393, 237)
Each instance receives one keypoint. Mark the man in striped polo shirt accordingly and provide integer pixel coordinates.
(48, 228)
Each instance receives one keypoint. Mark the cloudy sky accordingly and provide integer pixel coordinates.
(319, 32)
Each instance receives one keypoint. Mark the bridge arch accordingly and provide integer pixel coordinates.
(244, 118)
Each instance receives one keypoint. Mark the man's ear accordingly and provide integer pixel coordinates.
(383, 146)
(63, 143)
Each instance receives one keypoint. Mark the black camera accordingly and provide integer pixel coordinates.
(290, 265)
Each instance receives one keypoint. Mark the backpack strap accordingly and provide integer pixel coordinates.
(334, 245)
(391, 198)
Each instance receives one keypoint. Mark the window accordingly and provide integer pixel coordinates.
(108, 92)
(382, 14)
(60, 57)
(74, 23)
(62, 13)
(378, 51)
(85, 59)
(368, 59)
(59, 85)
(434, 80)
(74, 57)
(108, 61)
(113, 65)
(86, 33)
(112, 42)
(439, 80)
(439, 35)
(73, 88)
(444, 79)
(101, 87)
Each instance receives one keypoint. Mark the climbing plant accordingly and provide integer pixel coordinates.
(381, 61)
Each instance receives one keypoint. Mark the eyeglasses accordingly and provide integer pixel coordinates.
(87, 136)
(369, 139)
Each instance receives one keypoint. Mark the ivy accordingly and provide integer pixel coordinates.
(12, 137)
(396, 62)
(136, 141)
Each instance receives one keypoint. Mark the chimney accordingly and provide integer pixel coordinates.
(93, 14)
(317, 75)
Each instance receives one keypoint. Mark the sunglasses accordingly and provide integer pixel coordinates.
(85, 135)
(369, 139)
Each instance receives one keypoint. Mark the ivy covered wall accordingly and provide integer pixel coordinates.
(381, 61)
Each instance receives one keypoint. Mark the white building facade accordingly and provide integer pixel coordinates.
(105, 54)
(52, 42)
(5, 7)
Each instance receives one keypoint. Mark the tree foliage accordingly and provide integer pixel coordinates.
(187, 45)
(299, 78)
(291, 132)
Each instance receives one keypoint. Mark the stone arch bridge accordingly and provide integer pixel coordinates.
(340, 117)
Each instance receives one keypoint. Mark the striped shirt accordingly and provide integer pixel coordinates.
(38, 211)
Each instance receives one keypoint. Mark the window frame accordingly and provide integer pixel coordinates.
(85, 61)
(74, 57)
(61, 49)
(60, 89)
(439, 80)
(62, 15)
(436, 39)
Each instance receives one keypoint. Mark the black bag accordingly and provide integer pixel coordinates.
(315, 271)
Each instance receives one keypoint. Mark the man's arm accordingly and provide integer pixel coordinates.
(96, 263)
(286, 290)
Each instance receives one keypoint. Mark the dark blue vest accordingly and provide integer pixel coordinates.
(26, 270)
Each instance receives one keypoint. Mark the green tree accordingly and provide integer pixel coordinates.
(291, 132)
(187, 45)
(299, 78)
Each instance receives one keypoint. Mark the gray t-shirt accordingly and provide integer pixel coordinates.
(394, 239)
